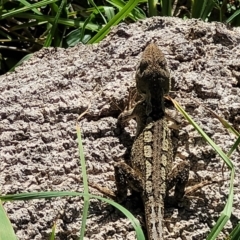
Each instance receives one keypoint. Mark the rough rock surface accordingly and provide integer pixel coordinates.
(42, 99)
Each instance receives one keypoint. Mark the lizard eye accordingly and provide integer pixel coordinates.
(162, 63)
(143, 65)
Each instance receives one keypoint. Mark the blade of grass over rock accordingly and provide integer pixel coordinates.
(114, 21)
(21, 61)
(230, 128)
(235, 234)
(52, 236)
(225, 215)
(6, 229)
(224, 122)
(234, 147)
(204, 135)
(54, 194)
(85, 183)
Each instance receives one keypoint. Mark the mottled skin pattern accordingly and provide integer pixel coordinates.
(151, 155)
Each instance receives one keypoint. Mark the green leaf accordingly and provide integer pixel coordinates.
(55, 24)
(52, 236)
(109, 11)
(235, 234)
(64, 21)
(96, 7)
(26, 3)
(234, 15)
(85, 183)
(228, 207)
(25, 9)
(166, 8)
(202, 8)
(21, 61)
(114, 21)
(137, 13)
(6, 229)
(54, 194)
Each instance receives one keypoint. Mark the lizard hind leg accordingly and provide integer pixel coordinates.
(126, 177)
(178, 178)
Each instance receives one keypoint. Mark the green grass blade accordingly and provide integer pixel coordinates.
(136, 13)
(54, 194)
(228, 207)
(235, 234)
(27, 25)
(114, 21)
(225, 214)
(109, 11)
(96, 7)
(230, 128)
(226, 125)
(6, 35)
(166, 8)
(64, 21)
(52, 236)
(6, 229)
(24, 9)
(198, 7)
(89, 19)
(207, 10)
(55, 24)
(74, 37)
(235, 14)
(26, 3)
(85, 183)
(152, 7)
(234, 147)
(21, 61)
(204, 135)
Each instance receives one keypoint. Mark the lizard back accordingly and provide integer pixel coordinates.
(151, 157)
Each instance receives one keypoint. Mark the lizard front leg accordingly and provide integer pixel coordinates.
(138, 112)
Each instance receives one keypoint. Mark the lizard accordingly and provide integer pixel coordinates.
(151, 154)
